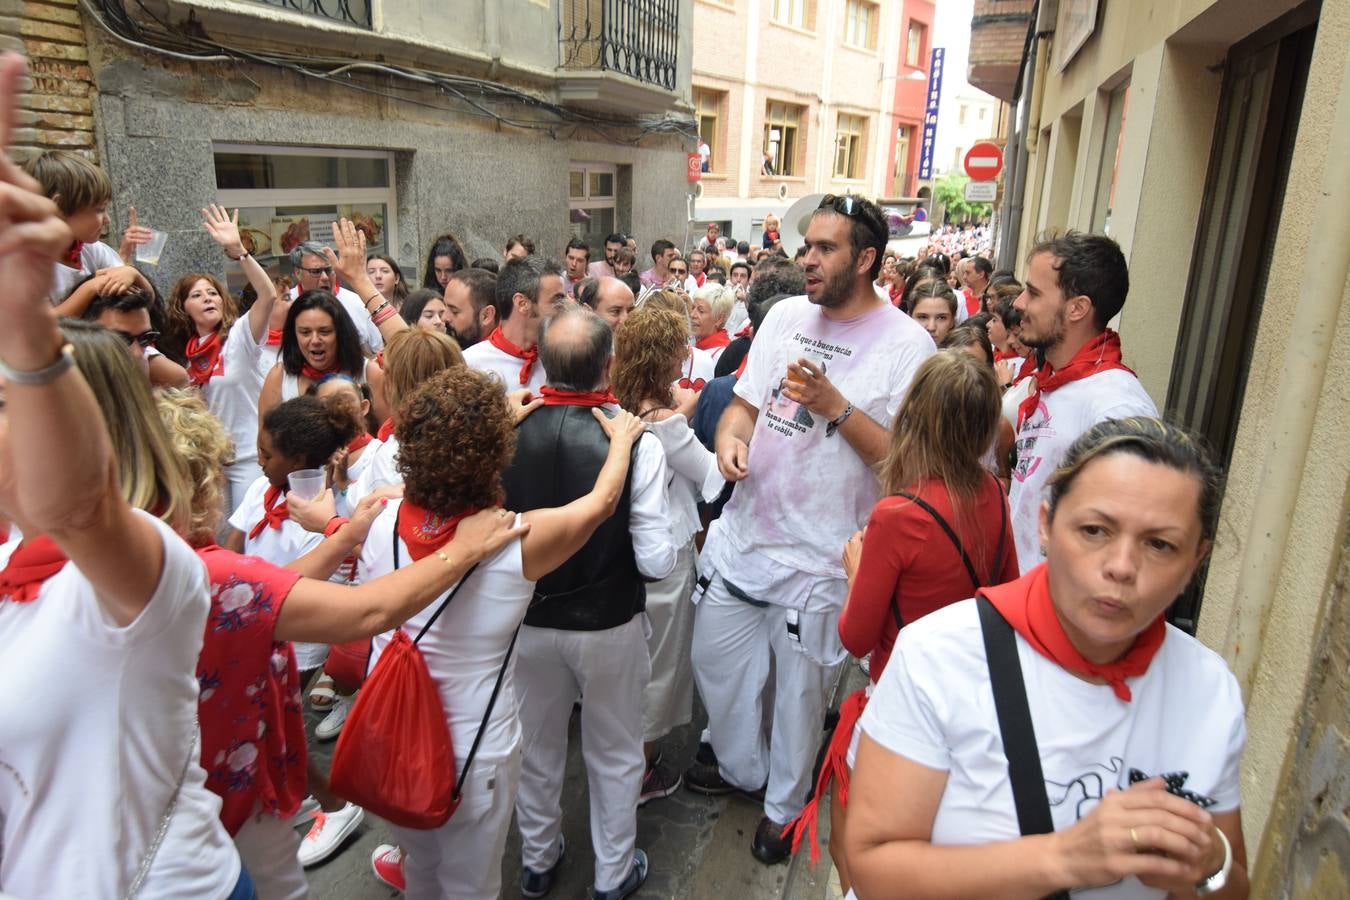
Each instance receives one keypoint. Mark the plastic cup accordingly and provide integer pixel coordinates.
(307, 483)
(149, 252)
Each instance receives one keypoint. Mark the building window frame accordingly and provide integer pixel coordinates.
(784, 127)
(710, 105)
(916, 36)
(864, 16)
(592, 212)
(850, 146)
(798, 14)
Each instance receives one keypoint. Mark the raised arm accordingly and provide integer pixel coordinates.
(224, 230)
(350, 262)
(557, 533)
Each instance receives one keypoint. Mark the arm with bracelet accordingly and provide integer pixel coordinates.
(350, 262)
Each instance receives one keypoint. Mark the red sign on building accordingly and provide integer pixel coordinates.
(984, 161)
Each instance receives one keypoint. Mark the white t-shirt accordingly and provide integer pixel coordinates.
(693, 475)
(933, 705)
(379, 467)
(269, 355)
(96, 722)
(93, 257)
(371, 341)
(1061, 416)
(807, 493)
(700, 367)
(486, 357)
(233, 395)
(465, 648)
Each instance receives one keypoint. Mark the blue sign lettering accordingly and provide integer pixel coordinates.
(930, 116)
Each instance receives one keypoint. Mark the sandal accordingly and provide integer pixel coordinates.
(322, 691)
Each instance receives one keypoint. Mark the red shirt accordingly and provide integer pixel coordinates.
(253, 727)
(908, 559)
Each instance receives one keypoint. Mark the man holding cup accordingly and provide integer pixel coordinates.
(810, 419)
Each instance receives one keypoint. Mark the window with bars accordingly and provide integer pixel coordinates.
(708, 105)
(782, 142)
(860, 24)
(848, 146)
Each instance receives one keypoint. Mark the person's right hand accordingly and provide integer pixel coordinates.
(733, 458)
(522, 403)
(686, 400)
(853, 554)
(624, 427)
(484, 533)
(117, 280)
(350, 259)
(1142, 831)
(133, 237)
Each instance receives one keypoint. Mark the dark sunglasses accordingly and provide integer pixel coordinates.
(146, 338)
(851, 206)
(675, 271)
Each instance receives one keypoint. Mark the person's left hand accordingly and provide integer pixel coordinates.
(686, 401)
(224, 229)
(853, 554)
(522, 403)
(813, 390)
(133, 237)
(117, 280)
(350, 259)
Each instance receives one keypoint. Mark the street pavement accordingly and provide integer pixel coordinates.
(699, 847)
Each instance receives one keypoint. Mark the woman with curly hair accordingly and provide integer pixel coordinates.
(220, 350)
(252, 725)
(648, 353)
(456, 437)
(697, 367)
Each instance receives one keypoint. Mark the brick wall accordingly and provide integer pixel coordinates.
(57, 111)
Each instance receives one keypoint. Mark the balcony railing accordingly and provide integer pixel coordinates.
(346, 12)
(637, 38)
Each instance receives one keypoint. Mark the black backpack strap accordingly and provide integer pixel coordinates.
(448, 597)
(487, 716)
(1014, 724)
(956, 541)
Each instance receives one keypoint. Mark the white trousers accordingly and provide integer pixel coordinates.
(668, 701)
(267, 847)
(737, 646)
(608, 670)
(463, 858)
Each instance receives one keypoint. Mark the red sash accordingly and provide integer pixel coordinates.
(554, 397)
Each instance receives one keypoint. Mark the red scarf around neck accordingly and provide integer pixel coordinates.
(500, 341)
(313, 374)
(204, 358)
(718, 338)
(1027, 606)
(555, 397)
(274, 337)
(31, 564)
(386, 429)
(274, 513)
(359, 442)
(1101, 354)
(72, 258)
(426, 532)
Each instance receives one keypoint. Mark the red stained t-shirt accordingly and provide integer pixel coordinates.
(908, 560)
(253, 727)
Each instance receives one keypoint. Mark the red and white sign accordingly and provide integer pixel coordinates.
(984, 161)
(695, 167)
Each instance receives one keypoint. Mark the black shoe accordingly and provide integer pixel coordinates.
(770, 847)
(659, 782)
(706, 754)
(537, 884)
(707, 779)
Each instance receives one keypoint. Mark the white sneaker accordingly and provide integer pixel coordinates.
(331, 726)
(308, 807)
(328, 832)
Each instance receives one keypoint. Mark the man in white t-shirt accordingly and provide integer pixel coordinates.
(313, 273)
(810, 418)
(529, 290)
(1075, 284)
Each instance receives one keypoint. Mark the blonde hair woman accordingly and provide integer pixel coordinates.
(708, 313)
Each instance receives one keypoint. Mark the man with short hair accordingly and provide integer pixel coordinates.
(808, 426)
(1075, 284)
(470, 305)
(610, 298)
(127, 315)
(576, 258)
(716, 274)
(977, 270)
(740, 273)
(708, 243)
(605, 267)
(313, 272)
(743, 250)
(698, 262)
(663, 251)
(518, 246)
(679, 275)
(583, 636)
(529, 290)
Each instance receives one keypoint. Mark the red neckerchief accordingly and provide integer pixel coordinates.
(386, 429)
(1001, 355)
(273, 515)
(555, 397)
(718, 338)
(72, 258)
(274, 337)
(31, 564)
(688, 381)
(426, 532)
(1029, 366)
(1101, 354)
(359, 442)
(746, 330)
(700, 278)
(204, 359)
(1026, 604)
(313, 374)
(895, 292)
(500, 341)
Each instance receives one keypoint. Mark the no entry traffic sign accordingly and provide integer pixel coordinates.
(984, 161)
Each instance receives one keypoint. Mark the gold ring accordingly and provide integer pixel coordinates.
(1134, 839)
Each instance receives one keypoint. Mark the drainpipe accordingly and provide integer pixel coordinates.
(1030, 91)
(1295, 408)
(492, 36)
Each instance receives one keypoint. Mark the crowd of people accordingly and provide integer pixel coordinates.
(584, 483)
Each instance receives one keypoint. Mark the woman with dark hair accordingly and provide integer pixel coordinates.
(456, 437)
(387, 278)
(318, 339)
(920, 276)
(1062, 705)
(941, 510)
(445, 258)
(425, 308)
(933, 305)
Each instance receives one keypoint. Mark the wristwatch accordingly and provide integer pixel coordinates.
(1219, 880)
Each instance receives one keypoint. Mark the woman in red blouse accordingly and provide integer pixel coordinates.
(906, 563)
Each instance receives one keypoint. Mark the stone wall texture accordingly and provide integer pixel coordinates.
(57, 112)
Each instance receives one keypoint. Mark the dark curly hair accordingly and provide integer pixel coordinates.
(643, 357)
(308, 430)
(455, 438)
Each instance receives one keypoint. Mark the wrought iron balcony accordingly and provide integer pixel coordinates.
(346, 12)
(637, 38)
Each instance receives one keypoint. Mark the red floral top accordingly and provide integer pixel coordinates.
(253, 727)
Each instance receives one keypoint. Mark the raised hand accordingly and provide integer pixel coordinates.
(224, 229)
(350, 258)
(133, 237)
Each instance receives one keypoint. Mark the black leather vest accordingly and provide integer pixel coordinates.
(559, 452)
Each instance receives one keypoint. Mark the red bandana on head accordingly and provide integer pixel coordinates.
(554, 397)
(426, 532)
(1101, 354)
(31, 564)
(274, 513)
(204, 359)
(718, 338)
(1027, 606)
(530, 356)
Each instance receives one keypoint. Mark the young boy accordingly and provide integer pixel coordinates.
(81, 191)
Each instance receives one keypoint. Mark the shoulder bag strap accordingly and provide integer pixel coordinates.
(1002, 533)
(956, 541)
(487, 715)
(1014, 724)
(448, 597)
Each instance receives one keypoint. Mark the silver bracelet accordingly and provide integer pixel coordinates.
(46, 375)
